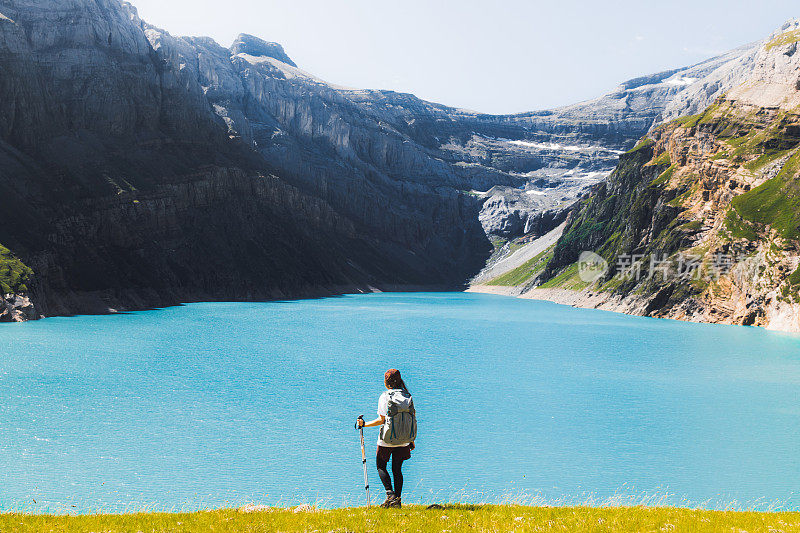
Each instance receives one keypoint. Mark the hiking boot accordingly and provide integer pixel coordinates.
(390, 498)
(396, 503)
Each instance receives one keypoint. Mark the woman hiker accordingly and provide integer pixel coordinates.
(398, 420)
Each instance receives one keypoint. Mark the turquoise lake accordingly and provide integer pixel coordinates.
(221, 404)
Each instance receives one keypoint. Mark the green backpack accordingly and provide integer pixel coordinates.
(400, 427)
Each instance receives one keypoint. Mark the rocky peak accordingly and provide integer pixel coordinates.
(763, 73)
(790, 25)
(773, 81)
(250, 45)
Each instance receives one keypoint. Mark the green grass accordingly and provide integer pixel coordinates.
(738, 142)
(785, 38)
(607, 222)
(513, 246)
(568, 279)
(525, 272)
(794, 278)
(775, 203)
(665, 176)
(691, 226)
(612, 285)
(706, 117)
(455, 518)
(751, 142)
(738, 228)
(689, 121)
(764, 160)
(756, 146)
(498, 242)
(791, 291)
(644, 143)
(663, 159)
(681, 199)
(14, 274)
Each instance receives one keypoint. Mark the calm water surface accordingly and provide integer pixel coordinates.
(224, 404)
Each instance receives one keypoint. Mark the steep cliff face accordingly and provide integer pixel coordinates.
(329, 147)
(700, 222)
(121, 186)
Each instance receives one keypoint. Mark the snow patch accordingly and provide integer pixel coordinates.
(595, 175)
(680, 82)
(556, 146)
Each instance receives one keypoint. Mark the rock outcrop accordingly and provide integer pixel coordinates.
(253, 46)
(17, 308)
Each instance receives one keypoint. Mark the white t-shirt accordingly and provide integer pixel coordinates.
(383, 410)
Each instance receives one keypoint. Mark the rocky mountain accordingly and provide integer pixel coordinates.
(139, 169)
(700, 220)
(529, 168)
(123, 187)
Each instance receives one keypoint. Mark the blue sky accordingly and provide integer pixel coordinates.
(495, 57)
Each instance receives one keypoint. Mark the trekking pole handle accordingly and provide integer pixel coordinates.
(361, 417)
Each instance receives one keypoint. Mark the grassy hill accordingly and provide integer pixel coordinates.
(420, 519)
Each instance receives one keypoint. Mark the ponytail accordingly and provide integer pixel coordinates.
(403, 386)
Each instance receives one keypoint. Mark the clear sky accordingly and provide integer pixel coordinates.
(490, 56)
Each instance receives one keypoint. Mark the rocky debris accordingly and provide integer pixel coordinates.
(305, 508)
(508, 258)
(17, 308)
(513, 152)
(253, 508)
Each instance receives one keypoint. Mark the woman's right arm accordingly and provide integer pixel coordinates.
(377, 422)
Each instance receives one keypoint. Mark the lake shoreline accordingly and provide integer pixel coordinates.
(600, 301)
(96, 304)
(630, 305)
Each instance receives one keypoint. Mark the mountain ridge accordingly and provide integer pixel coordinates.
(699, 221)
(142, 169)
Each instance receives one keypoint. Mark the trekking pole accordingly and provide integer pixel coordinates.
(360, 428)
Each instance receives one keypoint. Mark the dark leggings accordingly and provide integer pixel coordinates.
(397, 465)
